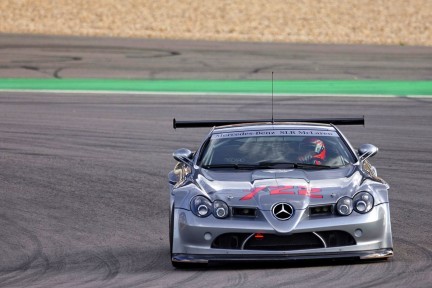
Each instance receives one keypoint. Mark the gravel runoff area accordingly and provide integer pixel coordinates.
(394, 22)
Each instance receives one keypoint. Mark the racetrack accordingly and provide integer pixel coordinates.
(84, 194)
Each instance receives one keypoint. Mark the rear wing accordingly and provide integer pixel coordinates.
(213, 123)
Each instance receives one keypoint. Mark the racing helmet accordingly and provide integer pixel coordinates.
(313, 148)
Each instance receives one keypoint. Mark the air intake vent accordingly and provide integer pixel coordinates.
(284, 243)
(230, 240)
(322, 210)
(273, 242)
(337, 238)
(249, 212)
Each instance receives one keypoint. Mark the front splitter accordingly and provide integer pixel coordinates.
(355, 255)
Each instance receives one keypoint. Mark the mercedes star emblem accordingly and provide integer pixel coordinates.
(282, 211)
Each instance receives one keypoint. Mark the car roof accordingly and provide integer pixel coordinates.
(273, 126)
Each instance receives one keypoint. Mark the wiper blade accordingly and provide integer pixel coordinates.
(275, 165)
(233, 166)
(317, 166)
(263, 165)
(268, 165)
(294, 165)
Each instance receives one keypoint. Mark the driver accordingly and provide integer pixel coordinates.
(312, 151)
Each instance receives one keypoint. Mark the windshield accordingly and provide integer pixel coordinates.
(276, 148)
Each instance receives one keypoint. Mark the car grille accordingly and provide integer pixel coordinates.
(273, 242)
(283, 243)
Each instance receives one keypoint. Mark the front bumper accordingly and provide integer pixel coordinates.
(359, 255)
(193, 237)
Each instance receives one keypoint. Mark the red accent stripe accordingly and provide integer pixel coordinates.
(314, 192)
(282, 190)
(253, 193)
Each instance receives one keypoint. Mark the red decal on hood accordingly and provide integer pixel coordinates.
(284, 190)
(252, 193)
(315, 193)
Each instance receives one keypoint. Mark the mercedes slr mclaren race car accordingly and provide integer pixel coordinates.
(277, 190)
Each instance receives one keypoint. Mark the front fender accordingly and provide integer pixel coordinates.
(378, 190)
(181, 196)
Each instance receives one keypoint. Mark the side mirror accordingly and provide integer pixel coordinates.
(183, 155)
(367, 150)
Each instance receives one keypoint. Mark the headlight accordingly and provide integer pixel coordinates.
(201, 206)
(220, 209)
(344, 206)
(363, 202)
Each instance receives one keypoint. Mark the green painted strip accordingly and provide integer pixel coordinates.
(374, 87)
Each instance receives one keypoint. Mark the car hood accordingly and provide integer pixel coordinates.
(264, 188)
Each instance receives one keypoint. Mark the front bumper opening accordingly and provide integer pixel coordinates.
(274, 242)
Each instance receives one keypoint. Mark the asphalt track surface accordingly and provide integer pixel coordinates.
(69, 57)
(84, 194)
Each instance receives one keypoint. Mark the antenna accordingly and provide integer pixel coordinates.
(272, 100)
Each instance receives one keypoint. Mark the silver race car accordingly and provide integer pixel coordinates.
(277, 190)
